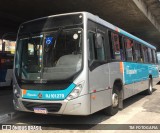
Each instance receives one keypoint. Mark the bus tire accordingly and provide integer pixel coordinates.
(113, 109)
(149, 91)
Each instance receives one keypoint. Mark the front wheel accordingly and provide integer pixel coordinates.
(113, 109)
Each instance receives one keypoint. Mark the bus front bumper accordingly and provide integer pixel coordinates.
(77, 106)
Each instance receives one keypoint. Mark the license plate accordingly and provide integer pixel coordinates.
(40, 110)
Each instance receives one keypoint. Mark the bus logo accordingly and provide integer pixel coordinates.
(40, 95)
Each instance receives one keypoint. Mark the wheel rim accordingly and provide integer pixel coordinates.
(114, 100)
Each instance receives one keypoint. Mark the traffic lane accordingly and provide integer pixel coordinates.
(139, 109)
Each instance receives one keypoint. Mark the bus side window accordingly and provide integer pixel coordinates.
(99, 47)
(122, 48)
(145, 54)
(141, 53)
(116, 46)
(129, 49)
(138, 53)
(154, 57)
(150, 55)
(96, 50)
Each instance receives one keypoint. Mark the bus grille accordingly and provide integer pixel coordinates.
(51, 107)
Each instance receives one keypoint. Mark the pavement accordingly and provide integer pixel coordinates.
(6, 105)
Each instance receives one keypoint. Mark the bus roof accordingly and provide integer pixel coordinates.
(102, 22)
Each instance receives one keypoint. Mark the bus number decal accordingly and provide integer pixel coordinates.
(54, 96)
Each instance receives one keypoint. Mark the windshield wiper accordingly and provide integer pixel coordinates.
(58, 34)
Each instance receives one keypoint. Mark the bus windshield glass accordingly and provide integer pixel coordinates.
(49, 56)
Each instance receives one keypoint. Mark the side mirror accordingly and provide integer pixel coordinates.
(98, 40)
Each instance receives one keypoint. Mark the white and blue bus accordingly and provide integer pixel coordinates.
(78, 64)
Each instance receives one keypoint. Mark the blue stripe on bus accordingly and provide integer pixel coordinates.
(136, 72)
(48, 95)
(136, 38)
(3, 73)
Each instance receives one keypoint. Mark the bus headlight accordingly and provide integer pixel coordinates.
(76, 92)
(15, 91)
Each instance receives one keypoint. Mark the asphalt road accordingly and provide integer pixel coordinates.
(139, 109)
(6, 104)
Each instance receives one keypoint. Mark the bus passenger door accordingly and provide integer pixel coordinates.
(98, 71)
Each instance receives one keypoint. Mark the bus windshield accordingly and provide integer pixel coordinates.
(50, 56)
